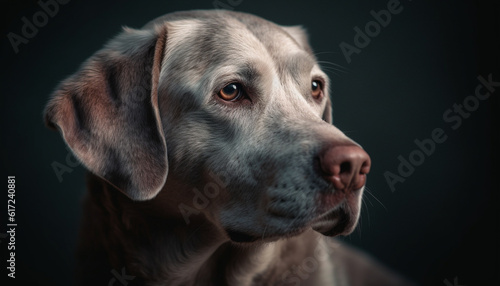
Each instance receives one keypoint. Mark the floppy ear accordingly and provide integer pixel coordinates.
(108, 113)
(327, 112)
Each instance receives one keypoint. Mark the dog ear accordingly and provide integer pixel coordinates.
(327, 112)
(108, 113)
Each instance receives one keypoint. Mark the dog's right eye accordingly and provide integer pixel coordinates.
(316, 88)
(230, 92)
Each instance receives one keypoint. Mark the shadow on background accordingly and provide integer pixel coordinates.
(442, 222)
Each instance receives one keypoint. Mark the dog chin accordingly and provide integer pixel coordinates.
(341, 220)
(336, 222)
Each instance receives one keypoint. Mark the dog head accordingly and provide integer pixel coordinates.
(233, 108)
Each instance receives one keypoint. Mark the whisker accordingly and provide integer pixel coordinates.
(368, 191)
(334, 64)
(335, 74)
(333, 69)
(326, 52)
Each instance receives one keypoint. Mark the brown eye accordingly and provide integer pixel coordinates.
(230, 92)
(316, 88)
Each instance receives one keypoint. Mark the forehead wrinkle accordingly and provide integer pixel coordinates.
(280, 46)
(228, 46)
(290, 66)
(254, 61)
(287, 58)
(204, 47)
(286, 53)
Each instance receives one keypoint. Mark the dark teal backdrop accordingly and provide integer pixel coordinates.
(442, 222)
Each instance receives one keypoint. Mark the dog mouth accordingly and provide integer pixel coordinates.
(333, 214)
(338, 221)
(339, 213)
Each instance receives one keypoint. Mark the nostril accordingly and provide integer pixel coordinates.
(345, 166)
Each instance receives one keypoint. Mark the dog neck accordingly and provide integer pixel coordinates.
(150, 240)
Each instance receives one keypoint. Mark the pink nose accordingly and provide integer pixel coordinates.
(345, 166)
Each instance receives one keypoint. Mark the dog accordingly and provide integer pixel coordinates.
(213, 159)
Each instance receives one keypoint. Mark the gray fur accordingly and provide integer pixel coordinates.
(144, 98)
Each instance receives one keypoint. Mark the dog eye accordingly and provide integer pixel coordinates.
(230, 92)
(316, 88)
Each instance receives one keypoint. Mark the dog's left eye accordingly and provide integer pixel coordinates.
(316, 89)
(230, 92)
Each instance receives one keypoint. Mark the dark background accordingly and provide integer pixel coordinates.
(442, 222)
